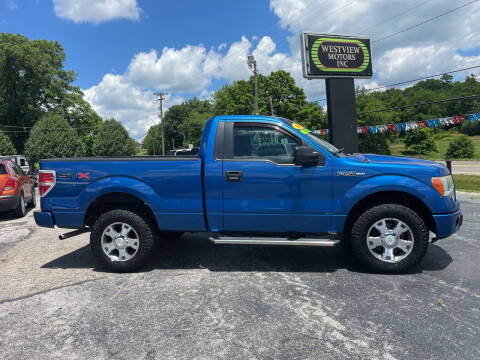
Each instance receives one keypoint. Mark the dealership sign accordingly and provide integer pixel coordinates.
(334, 56)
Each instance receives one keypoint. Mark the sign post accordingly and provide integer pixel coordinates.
(338, 60)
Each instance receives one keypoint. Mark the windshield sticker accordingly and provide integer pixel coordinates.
(305, 131)
(297, 126)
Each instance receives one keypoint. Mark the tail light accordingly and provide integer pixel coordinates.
(46, 181)
(9, 185)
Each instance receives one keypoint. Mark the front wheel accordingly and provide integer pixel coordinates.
(122, 240)
(389, 238)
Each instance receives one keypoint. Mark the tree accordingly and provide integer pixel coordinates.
(460, 148)
(112, 139)
(175, 134)
(374, 144)
(6, 146)
(238, 99)
(53, 137)
(153, 141)
(420, 141)
(34, 82)
(192, 128)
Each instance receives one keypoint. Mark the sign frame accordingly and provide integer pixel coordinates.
(306, 63)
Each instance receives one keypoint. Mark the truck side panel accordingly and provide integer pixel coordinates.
(172, 189)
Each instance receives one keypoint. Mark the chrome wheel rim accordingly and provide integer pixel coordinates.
(120, 242)
(390, 240)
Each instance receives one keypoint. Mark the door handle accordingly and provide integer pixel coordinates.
(234, 176)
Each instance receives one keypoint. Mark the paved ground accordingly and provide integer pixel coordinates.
(202, 301)
(465, 167)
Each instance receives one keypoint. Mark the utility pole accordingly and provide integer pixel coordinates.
(161, 97)
(252, 65)
(271, 105)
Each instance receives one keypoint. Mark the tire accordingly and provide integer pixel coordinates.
(33, 202)
(401, 247)
(111, 253)
(20, 210)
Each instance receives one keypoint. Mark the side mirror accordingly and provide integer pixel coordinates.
(307, 156)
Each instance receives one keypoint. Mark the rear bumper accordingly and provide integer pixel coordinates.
(8, 202)
(44, 218)
(448, 224)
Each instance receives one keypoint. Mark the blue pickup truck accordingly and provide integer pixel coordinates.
(256, 180)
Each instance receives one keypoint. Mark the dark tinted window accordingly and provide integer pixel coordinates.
(3, 170)
(23, 162)
(18, 170)
(263, 143)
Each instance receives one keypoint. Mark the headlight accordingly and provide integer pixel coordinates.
(444, 185)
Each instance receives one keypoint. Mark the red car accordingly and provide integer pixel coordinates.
(16, 189)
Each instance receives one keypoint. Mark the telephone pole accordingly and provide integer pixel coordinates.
(252, 65)
(161, 97)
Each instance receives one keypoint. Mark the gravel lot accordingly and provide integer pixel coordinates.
(202, 301)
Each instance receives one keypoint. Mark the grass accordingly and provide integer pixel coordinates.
(468, 183)
(442, 140)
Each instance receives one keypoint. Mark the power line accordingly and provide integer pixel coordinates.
(420, 104)
(424, 22)
(410, 81)
(395, 16)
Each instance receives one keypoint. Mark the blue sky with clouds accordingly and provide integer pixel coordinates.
(124, 50)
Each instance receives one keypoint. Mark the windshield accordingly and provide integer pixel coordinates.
(325, 144)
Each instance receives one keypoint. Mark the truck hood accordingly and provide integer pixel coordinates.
(399, 164)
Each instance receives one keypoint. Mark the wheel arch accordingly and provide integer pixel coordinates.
(117, 200)
(393, 197)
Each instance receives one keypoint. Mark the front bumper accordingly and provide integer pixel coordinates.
(44, 218)
(8, 202)
(448, 224)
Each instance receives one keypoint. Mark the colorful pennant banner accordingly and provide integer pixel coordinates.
(412, 125)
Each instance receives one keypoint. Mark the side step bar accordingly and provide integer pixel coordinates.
(246, 240)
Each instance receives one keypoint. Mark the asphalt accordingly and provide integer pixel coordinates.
(200, 301)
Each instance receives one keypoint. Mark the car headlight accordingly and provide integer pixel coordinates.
(444, 185)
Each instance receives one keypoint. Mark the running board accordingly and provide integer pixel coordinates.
(246, 240)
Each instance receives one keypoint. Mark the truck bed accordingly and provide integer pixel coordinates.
(173, 186)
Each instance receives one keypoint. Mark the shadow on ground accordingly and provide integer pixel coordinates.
(195, 251)
(9, 215)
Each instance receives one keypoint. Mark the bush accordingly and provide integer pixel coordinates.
(113, 140)
(373, 144)
(460, 148)
(420, 141)
(6, 146)
(470, 128)
(53, 137)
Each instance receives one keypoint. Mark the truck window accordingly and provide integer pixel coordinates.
(3, 171)
(22, 162)
(257, 142)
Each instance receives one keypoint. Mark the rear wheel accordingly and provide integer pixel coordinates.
(389, 238)
(20, 210)
(122, 240)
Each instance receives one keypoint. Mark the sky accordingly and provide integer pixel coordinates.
(125, 50)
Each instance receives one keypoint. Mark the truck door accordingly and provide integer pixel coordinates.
(263, 190)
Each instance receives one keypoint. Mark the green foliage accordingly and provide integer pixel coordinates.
(53, 137)
(177, 134)
(470, 128)
(460, 148)
(373, 144)
(34, 82)
(420, 141)
(153, 141)
(6, 146)
(238, 98)
(112, 139)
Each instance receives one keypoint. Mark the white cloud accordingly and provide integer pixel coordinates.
(432, 48)
(428, 49)
(96, 11)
